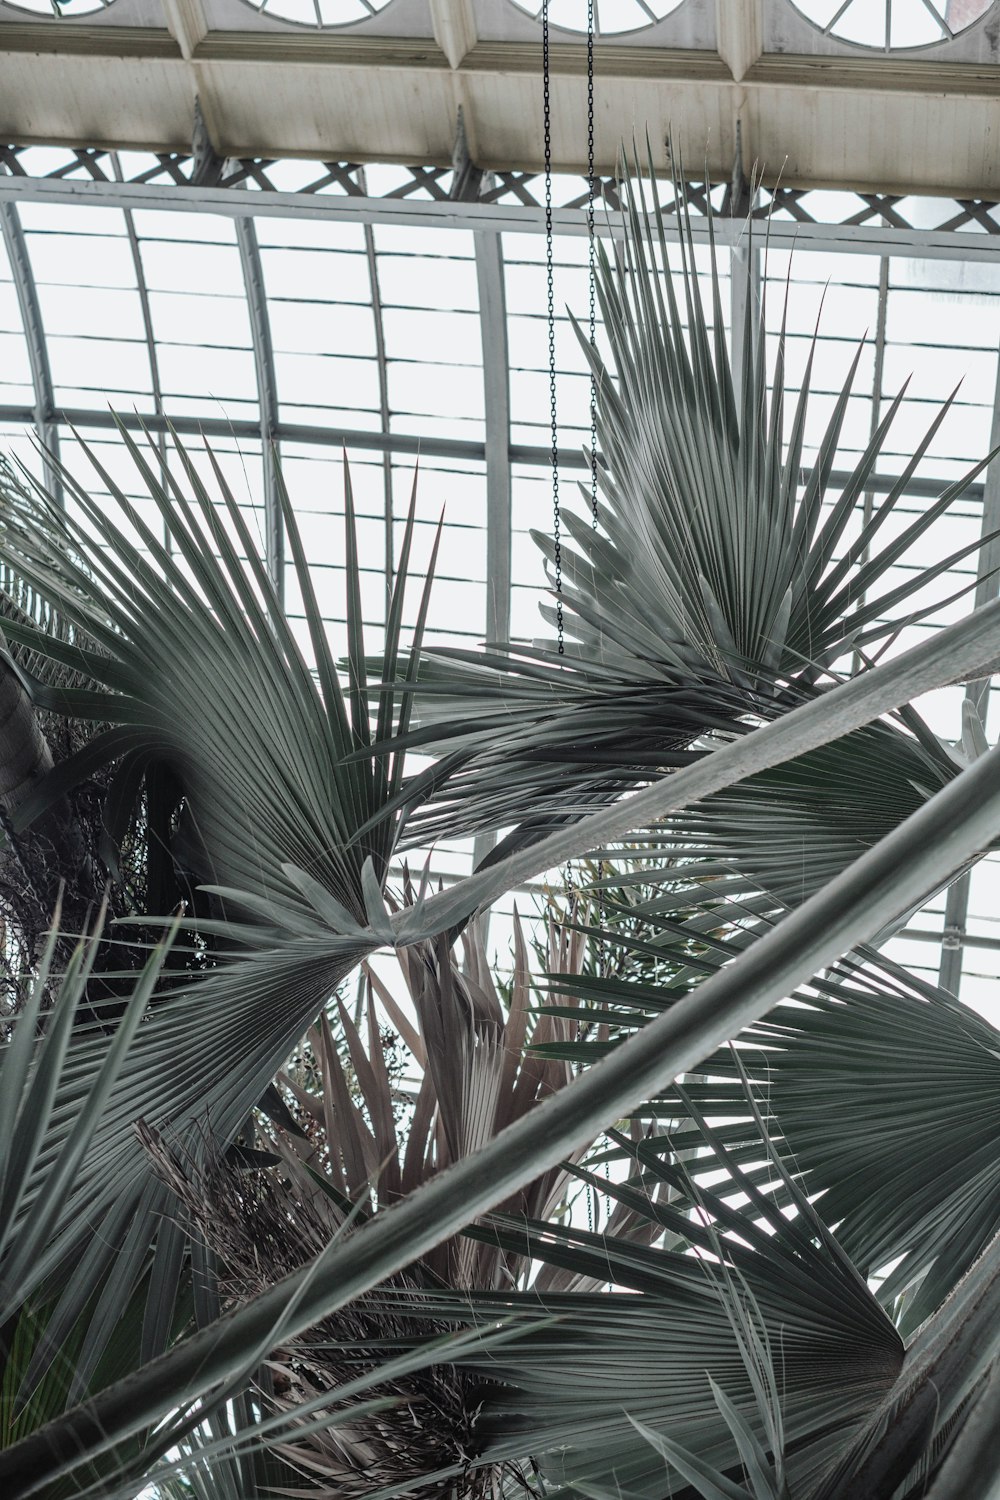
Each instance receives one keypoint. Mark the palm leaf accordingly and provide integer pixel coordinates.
(198, 673)
(248, 987)
(946, 658)
(716, 587)
(846, 1071)
(49, 1129)
(680, 1335)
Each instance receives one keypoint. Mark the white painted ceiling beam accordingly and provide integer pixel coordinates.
(186, 22)
(906, 125)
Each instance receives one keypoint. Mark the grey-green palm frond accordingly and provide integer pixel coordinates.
(199, 674)
(472, 1075)
(48, 1130)
(719, 581)
(571, 1392)
(197, 667)
(845, 1073)
(788, 831)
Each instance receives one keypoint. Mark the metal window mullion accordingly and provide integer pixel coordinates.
(383, 397)
(34, 332)
(970, 940)
(744, 281)
(147, 324)
(496, 405)
(455, 449)
(881, 316)
(496, 394)
(879, 371)
(267, 396)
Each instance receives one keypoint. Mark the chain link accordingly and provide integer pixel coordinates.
(550, 288)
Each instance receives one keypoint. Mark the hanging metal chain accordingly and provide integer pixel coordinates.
(601, 954)
(550, 288)
(591, 257)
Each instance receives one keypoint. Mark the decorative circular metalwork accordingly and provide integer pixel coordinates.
(322, 13)
(893, 25)
(611, 17)
(60, 10)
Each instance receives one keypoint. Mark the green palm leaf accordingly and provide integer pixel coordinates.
(882, 1088)
(716, 588)
(829, 1351)
(199, 676)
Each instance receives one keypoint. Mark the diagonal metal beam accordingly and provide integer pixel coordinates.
(267, 395)
(44, 416)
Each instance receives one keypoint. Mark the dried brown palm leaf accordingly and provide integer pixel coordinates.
(475, 1073)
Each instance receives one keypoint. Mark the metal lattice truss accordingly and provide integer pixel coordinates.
(862, 219)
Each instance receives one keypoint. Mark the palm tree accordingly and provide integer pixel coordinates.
(704, 1198)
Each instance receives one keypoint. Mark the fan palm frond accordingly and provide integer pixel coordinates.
(824, 1345)
(467, 1046)
(208, 705)
(845, 1073)
(805, 942)
(717, 586)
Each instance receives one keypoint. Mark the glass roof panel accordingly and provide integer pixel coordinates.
(891, 25)
(610, 16)
(57, 10)
(319, 12)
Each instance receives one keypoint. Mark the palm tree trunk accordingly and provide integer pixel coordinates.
(52, 855)
(24, 752)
